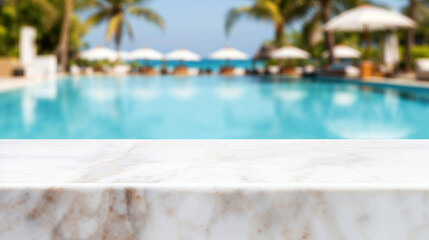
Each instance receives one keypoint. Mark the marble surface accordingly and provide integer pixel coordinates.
(214, 189)
(214, 161)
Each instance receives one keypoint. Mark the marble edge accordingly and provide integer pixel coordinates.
(229, 186)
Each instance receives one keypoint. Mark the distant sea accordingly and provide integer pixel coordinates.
(213, 65)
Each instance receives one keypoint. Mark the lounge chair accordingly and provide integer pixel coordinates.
(45, 65)
(250, 71)
(309, 71)
(422, 69)
(291, 71)
(75, 70)
(193, 71)
(206, 71)
(164, 71)
(121, 69)
(341, 70)
(7, 66)
(88, 71)
(227, 70)
(180, 70)
(273, 70)
(147, 70)
(239, 71)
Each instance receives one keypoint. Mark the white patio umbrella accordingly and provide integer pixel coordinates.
(124, 56)
(367, 18)
(391, 50)
(343, 52)
(146, 54)
(99, 53)
(228, 53)
(182, 55)
(290, 52)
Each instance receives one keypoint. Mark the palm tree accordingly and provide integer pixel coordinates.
(116, 13)
(422, 19)
(323, 14)
(47, 11)
(279, 12)
(63, 44)
(412, 6)
(326, 6)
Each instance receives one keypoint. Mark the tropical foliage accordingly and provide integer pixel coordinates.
(117, 13)
(61, 30)
(418, 11)
(279, 12)
(46, 17)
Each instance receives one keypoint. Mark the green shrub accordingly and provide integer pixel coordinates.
(416, 53)
(420, 52)
(134, 64)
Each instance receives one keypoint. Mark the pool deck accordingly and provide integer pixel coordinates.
(214, 189)
(405, 81)
(7, 84)
(400, 81)
(13, 83)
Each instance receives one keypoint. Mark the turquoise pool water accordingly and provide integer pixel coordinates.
(213, 65)
(212, 107)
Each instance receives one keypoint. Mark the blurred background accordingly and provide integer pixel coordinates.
(199, 25)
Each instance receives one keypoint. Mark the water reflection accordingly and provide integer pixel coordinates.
(210, 107)
(146, 94)
(183, 89)
(28, 106)
(391, 100)
(46, 90)
(101, 95)
(290, 95)
(344, 99)
(144, 90)
(229, 92)
(371, 114)
(357, 129)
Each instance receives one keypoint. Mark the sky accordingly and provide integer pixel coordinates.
(197, 25)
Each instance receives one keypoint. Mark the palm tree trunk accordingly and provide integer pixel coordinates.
(118, 51)
(329, 36)
(278, 41)
(118, 38)
(410, 35)
(367, 39)
(63, 49)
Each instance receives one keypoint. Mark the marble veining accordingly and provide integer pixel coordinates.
(222, 214)
(214, 190)
(214, 161)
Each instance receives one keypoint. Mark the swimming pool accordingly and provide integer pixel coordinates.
(211, 107)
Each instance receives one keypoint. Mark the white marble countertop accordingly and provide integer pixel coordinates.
(277, 162)
(214, 189)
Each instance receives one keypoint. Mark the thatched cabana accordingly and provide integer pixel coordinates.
(264, 52)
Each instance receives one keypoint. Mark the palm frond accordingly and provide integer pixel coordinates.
(114, 26)
(235, 14)
(49, 12)
(298, 11)
(83, 5)
(129, 30)
(136, 2)
(311, 29)
(98, 17)
(148, 14)
(270, 8)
